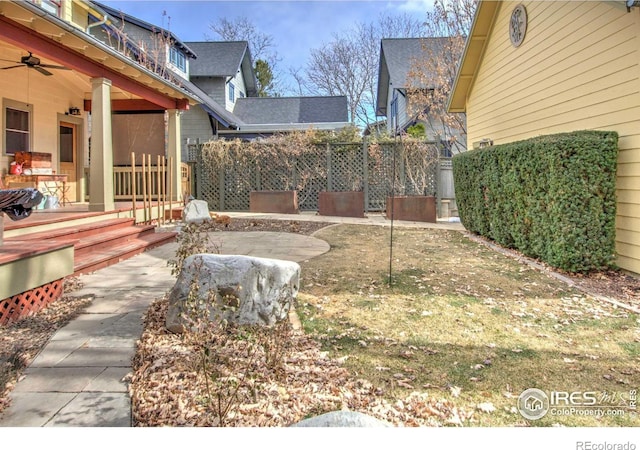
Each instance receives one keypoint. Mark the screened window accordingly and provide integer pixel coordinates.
(232, 92)
(178, 59)
(17, 130)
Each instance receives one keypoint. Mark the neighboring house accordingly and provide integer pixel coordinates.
(264, 116)
(398, 58)
(539, 68)
(224, 72)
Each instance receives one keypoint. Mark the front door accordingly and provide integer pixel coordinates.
(68, 158)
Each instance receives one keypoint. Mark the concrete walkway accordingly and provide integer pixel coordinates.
(78, 379)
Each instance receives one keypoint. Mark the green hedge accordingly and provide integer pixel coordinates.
(552, 197)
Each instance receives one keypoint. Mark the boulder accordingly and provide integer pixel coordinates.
(246, 290)
(342, 419)
(196, 211)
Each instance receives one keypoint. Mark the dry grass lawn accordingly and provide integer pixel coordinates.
(465, 323)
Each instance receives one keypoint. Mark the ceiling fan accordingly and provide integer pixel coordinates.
(33, 62)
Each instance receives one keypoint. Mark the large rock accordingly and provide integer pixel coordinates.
(342, 419)
(247, 290)
(196, 211)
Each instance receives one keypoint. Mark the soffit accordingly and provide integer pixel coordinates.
(76, 40)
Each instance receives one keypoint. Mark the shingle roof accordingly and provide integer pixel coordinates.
(283, 110)
(396, 59)
(217, 59)
(212, 108)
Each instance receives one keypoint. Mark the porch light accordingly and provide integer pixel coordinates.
(74, 111)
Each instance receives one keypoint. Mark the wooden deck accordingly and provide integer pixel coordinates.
(39, 252)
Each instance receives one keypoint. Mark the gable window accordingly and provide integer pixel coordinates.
(17, 127)
(232, 92)
(51, 6)
(178, 59)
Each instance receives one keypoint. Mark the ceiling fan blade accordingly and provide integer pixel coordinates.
(42, 71)
(11, 67)
(51, 66)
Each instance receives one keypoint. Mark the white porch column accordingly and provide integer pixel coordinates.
(101, 166)
(175, 152)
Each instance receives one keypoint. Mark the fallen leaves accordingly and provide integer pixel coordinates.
(168, 390)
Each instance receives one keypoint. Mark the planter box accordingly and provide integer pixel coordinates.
(342, 204)
(418, 208)
(282, 202)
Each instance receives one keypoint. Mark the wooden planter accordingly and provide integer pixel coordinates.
(282, 202)
(342, 204)
(418, 208)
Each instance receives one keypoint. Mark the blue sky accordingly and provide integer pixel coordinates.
(296, 26)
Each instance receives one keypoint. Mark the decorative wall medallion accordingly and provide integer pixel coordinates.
(518, 25)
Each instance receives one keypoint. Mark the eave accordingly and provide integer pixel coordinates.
(26, 26)
(472, 56)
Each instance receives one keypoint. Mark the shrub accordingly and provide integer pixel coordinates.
(550, 197)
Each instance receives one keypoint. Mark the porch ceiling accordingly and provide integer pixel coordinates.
(24, 28)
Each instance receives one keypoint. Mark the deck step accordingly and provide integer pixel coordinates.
(105, 257)
(111, 238)
(102, 243)
(76, 231)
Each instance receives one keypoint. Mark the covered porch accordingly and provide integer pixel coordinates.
(87, 106)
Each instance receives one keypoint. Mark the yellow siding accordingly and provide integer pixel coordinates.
(50, 96)
(578, 68)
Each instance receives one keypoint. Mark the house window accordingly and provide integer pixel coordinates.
(394, 114)
(17, 128)
(232, 92)
(51, 6)
(178, 59)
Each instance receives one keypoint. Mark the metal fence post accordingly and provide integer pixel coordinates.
(365, 173)
(439, 177)
(221, 189)
(402, 181)
(329, 172)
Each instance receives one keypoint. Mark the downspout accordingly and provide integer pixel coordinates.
(105, 17)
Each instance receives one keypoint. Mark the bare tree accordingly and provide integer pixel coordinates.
(431, 77)
(348, 65)
(262, 49)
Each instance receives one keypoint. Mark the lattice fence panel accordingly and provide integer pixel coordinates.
(347, 167)
(30, 302)
(314, 166)
(420, 169)
(208, 183)
(380, 174)
(226, 183)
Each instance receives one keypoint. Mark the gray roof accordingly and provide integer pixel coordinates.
(396, 59)
(218, 59)
(284, 110)
(224, 59)
(212, 108)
